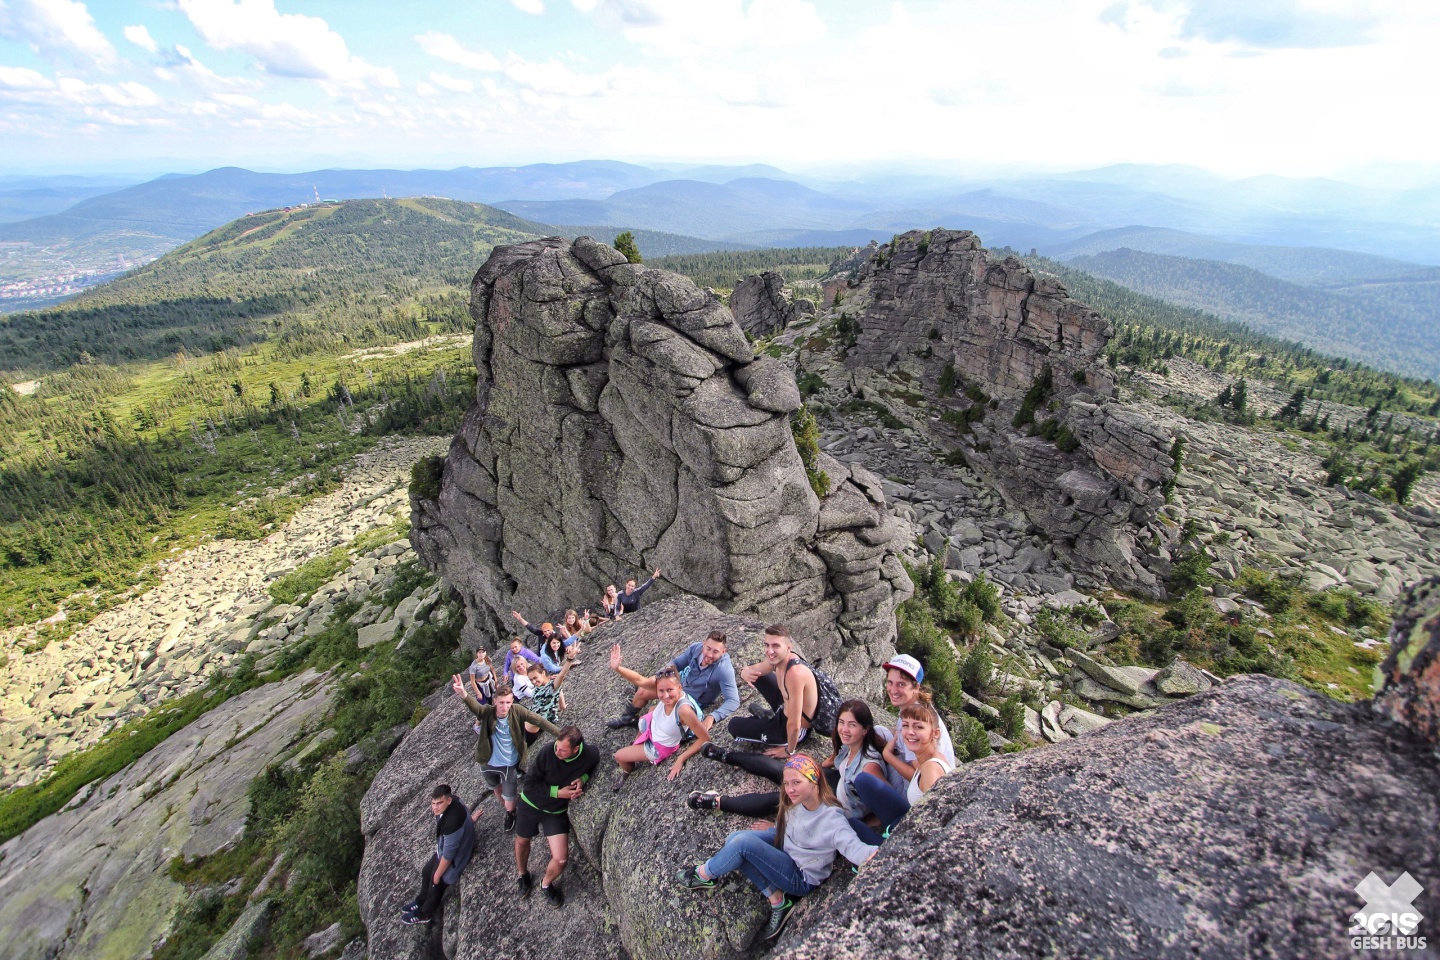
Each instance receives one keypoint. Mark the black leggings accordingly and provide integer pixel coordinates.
(772, 731)
(771, 768)
(430, 891)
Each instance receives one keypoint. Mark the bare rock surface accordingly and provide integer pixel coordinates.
(93, 880)
(622, 423)
(621, 900)
(1235, 824)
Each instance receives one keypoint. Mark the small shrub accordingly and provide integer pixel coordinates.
(947, 381)
(1191, 571)
(239, 526)
(807, 443)
(977, 670)
(1012, 717)
(956, 458)
(969, 739)
(1035, 398)
(425, 476)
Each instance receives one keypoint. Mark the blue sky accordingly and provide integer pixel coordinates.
(1295, 87)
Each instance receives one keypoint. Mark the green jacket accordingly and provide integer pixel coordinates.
(517, 718)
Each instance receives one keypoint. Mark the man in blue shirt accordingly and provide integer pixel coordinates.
(706, 674)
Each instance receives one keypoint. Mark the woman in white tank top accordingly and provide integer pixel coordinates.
(920, 728)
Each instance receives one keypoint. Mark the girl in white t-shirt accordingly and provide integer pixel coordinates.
(662, 730)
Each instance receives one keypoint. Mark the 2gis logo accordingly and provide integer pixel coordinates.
(1389, 920)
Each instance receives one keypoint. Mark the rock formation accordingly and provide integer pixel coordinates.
(932, 305)
(761, 307)
(1236, 823)
(1411, 672)
(622, 423)
(625, 847)
(93, 880)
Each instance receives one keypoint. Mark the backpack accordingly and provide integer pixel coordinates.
(827, 700)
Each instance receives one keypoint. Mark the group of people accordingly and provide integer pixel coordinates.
(844, 804)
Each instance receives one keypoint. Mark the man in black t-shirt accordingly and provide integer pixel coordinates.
(558, 774)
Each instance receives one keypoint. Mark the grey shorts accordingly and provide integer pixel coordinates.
(506, 778)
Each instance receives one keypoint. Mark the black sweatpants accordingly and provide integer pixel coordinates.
(772, 731)
(762, 804)
(430, 892)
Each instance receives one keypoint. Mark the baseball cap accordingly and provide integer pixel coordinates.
(908, 665)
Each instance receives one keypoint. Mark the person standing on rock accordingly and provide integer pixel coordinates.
(788, 684)
(610, 604)
(705, 671)
(630, 599)
(558, 775)
(502, 749)
(795, 856)
(542, 633)
(482, 676)
(454, 843)
(903, 676)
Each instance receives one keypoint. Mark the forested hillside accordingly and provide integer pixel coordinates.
(723, 270)
(352, 273)
(1391, 325)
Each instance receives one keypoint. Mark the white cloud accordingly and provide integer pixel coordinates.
(443, 46)
(683, 28)
(535, 7)
(140, 36)
(425, 89)
(56, 27)
(283, 44)
(23, 78)
(452, 83)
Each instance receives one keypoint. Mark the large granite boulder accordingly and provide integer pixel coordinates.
(94, 879)
(622, 423)
(761, 306)
(932, 301)
(621, 900)
(1411, 673)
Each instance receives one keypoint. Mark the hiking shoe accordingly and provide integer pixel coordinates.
(704, 800)
(410, 919)
(509, 821)
(554, 895)
(690, 879)
(778, 916)
(629, 718)
(410, 907)
(713, 751)
(760, 710)
(523, 884)
(619, 781)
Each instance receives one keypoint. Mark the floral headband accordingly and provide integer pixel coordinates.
(805, 766)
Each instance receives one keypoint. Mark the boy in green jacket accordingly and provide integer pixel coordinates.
(501, 749)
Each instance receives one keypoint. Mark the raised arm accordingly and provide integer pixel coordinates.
(630, 675)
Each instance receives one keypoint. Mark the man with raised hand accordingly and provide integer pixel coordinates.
(706, 674)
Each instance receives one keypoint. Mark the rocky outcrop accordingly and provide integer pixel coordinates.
(1411, 695)
(93, 880)
(1235, 824)
(625, 847)
(622, 423)
(1089, 473)
(761, 307)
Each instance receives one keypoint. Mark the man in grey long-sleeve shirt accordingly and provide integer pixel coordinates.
(706, 674)
(454, 843)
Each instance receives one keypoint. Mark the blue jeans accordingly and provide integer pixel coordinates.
(754, 853)
(887, 803)
(865, 832)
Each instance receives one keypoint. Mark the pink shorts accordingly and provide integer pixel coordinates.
(655, 752)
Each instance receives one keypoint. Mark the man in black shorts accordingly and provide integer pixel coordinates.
(557, 774)
(788, 684)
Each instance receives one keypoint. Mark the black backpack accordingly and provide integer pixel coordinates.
(827, 700)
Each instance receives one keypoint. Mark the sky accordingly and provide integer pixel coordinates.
(1242, 87)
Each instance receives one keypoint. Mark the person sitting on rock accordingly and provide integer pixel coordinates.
(558, 775)
(662, 732)
(788, 684)
(547, 700)
(858, 749)
(555, 656)
(501, 749)
(630, 599)
(542, 633)
(920, 730)
(903, 676)
(610, 608)
(573, 627)
(705, 671)
(454, 843)
(795, 856)
(518, 649)
(482, 676)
